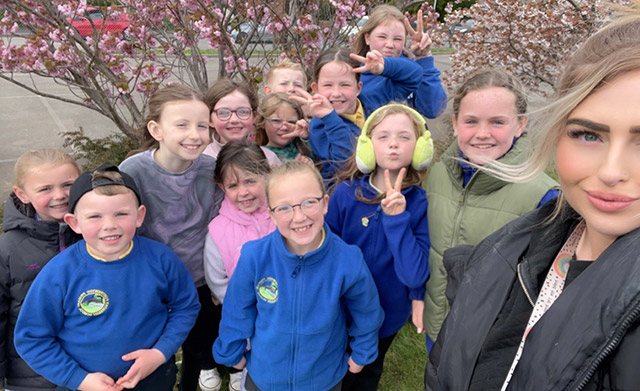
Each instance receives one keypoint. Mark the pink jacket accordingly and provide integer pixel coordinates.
(233, 228)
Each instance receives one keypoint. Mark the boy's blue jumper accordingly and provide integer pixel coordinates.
(82, 315)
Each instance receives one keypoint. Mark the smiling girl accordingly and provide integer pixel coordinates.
(554, 296)
(467, 204)
(174, 179)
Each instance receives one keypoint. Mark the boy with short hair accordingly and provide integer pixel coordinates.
(285, 77)
(108, 312)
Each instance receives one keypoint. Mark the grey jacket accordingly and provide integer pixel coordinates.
(25, 247)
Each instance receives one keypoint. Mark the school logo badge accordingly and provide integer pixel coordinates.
(93, 302)
(267, 289)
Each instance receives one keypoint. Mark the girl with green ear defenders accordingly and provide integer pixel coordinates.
(380, 206)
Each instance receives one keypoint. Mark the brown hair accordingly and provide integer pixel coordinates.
(286, 64)
(39, 157)
(155, 106)
(486, 78)
(243, 155)
(267, 107)
(379, 15)
(292, 167)
(338, 55)
(351, 172)
(224, 87)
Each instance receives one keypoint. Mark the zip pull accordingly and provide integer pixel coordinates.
(296, 271)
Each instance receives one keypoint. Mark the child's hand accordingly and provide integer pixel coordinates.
(241, 364)
(417, 309)
(319, 106)
(304, 159)
(373, 62)
(99, 381)
(394, 203)
(146, 361)
(420, 40)
(353, 367)
(300, 129)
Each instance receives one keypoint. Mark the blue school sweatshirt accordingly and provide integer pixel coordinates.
(293, 310)
(396, 248)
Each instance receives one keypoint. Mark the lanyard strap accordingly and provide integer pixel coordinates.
(551, 289)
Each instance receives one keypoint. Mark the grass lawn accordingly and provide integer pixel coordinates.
(405, 362)
(403, 366)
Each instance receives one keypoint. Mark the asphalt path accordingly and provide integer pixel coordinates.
(30, 121)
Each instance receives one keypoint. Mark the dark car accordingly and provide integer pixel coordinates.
(93, 20)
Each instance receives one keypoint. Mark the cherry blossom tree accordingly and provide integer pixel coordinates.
(114, 73)
(531, 39)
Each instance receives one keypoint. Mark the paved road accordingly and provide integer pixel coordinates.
(30, 121)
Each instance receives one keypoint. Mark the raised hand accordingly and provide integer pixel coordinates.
(319, 106)
(420, 40)
(300, 129)
(394, 203)
(372, 62)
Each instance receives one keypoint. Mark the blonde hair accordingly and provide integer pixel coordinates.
(270, 105)
(379, 15)
(412, 177)
(283, 65)
(40, 157)
(612, 51)
(292, 167)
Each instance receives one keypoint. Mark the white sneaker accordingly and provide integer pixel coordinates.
(235, 381)
(210, 380)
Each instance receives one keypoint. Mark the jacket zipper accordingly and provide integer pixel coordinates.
(608, 349)
(462, 200)
(296, 311)
(524, 288)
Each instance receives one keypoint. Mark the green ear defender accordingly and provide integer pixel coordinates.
(422, 153)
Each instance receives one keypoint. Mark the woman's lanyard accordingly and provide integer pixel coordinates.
(551, 289)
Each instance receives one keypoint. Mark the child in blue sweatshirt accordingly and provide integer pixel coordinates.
(110, 311)
(381, 208)
(290, 293)
(385, 33)
(338, 113)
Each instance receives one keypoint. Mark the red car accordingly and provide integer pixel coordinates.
(93, 20)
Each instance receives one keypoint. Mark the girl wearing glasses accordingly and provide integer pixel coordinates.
(281, 128)
(380, 207)
(290, 293)
(233, 106)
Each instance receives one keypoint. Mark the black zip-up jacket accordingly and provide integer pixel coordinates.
(589, 338)
(25, 247)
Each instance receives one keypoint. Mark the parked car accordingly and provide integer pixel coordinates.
(93, 20)
(463, 26)
(244, 30)
(354, 27)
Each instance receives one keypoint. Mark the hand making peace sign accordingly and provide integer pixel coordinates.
(394, 203)
(372, 62)
(319, 106)
(420, 40)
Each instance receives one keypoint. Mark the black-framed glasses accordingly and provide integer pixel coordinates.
(277, 122)
(310, 205)
(224, 114)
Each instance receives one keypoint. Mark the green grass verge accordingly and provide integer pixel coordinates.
(405, 362)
